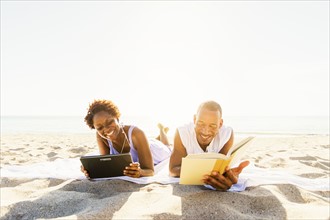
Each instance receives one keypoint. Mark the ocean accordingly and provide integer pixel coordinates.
(241, 125)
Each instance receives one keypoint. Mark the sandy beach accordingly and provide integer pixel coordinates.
(304, 156)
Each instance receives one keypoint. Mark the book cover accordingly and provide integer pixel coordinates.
(195, 166)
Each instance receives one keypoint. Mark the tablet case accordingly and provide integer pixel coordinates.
(104, 166)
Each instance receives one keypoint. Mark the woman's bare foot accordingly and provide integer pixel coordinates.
(162, 128)
(162, 134)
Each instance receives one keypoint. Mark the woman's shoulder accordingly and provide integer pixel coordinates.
(135, 131)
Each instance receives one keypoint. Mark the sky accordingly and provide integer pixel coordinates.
(161, 59)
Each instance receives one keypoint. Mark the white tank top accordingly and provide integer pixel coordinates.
(188, 137)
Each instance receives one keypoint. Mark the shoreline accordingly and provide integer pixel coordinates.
(252, 125)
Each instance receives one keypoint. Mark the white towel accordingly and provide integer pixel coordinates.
(251, 175)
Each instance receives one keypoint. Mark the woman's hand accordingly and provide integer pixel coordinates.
(84, 171)
(133, 170)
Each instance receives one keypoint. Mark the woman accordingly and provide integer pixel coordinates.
(115, 138)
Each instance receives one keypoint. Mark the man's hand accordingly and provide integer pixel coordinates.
(225, 181)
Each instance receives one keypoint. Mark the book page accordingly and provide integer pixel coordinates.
(239, 145)
(220, 165)
(193, 170)
(240, 151)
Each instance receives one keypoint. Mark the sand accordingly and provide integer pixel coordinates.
(43, 198)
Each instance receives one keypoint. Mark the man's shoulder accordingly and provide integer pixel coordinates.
(226, 128)
(186, 127)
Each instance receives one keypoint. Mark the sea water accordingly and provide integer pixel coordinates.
(241, 124)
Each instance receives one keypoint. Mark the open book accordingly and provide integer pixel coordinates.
(195, 166)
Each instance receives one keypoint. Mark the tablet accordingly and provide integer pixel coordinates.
(104, 166)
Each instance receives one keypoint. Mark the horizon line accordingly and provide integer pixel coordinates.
(146, 116)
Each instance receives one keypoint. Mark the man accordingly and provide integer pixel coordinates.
(206, 134)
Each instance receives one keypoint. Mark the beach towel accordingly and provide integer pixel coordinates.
(251, 175)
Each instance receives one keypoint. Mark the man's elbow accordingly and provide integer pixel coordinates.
(175, 171)
(173, 174)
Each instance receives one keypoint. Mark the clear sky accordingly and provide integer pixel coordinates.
(162, 58)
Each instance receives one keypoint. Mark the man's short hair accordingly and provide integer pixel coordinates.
(211, 106)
